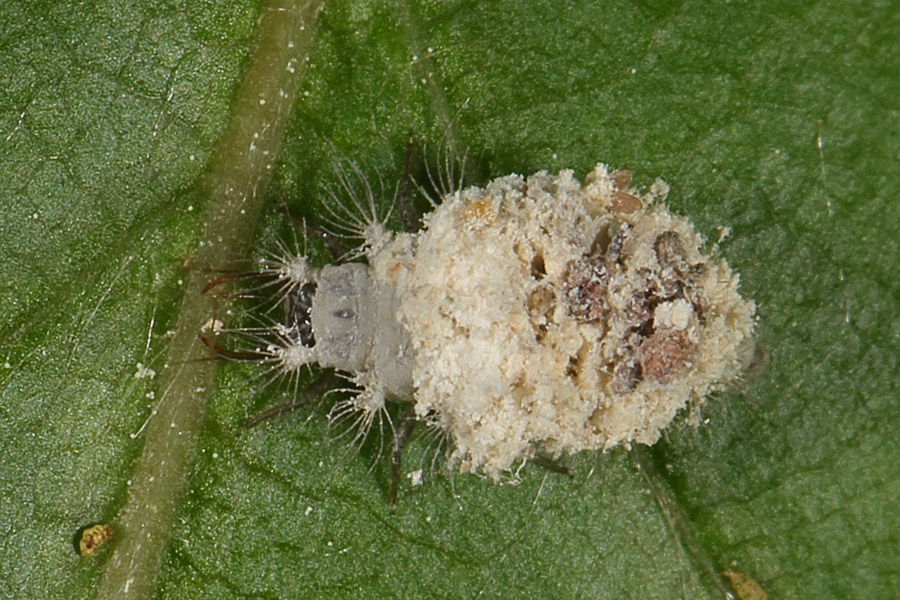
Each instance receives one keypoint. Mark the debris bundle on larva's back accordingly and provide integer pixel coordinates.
(539, 313)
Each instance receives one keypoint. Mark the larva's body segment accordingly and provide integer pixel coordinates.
(343, 316)
(354, 327)
(536, 312)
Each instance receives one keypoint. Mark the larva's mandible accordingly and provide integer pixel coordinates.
(536, 313)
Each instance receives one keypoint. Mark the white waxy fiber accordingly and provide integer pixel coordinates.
(540, 313)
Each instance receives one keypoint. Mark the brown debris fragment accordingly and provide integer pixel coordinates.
(480, 211)
(670, 253)
(624, 203)
(667, 355)
(626, 376)
(540, 305)
(621, 178)
(586, 290)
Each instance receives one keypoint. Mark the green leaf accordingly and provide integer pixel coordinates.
(122, 128)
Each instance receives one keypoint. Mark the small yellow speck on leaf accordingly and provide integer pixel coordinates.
(745, 587)
(93, 537)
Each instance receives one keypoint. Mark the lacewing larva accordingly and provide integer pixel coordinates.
(535, 314)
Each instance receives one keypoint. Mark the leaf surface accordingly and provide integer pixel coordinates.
(775, 122)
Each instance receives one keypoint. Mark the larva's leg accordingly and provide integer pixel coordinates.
(335, 246)
(313, 392)
(549, 464)
(401, 437)
(278, 410)
(405, 203)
